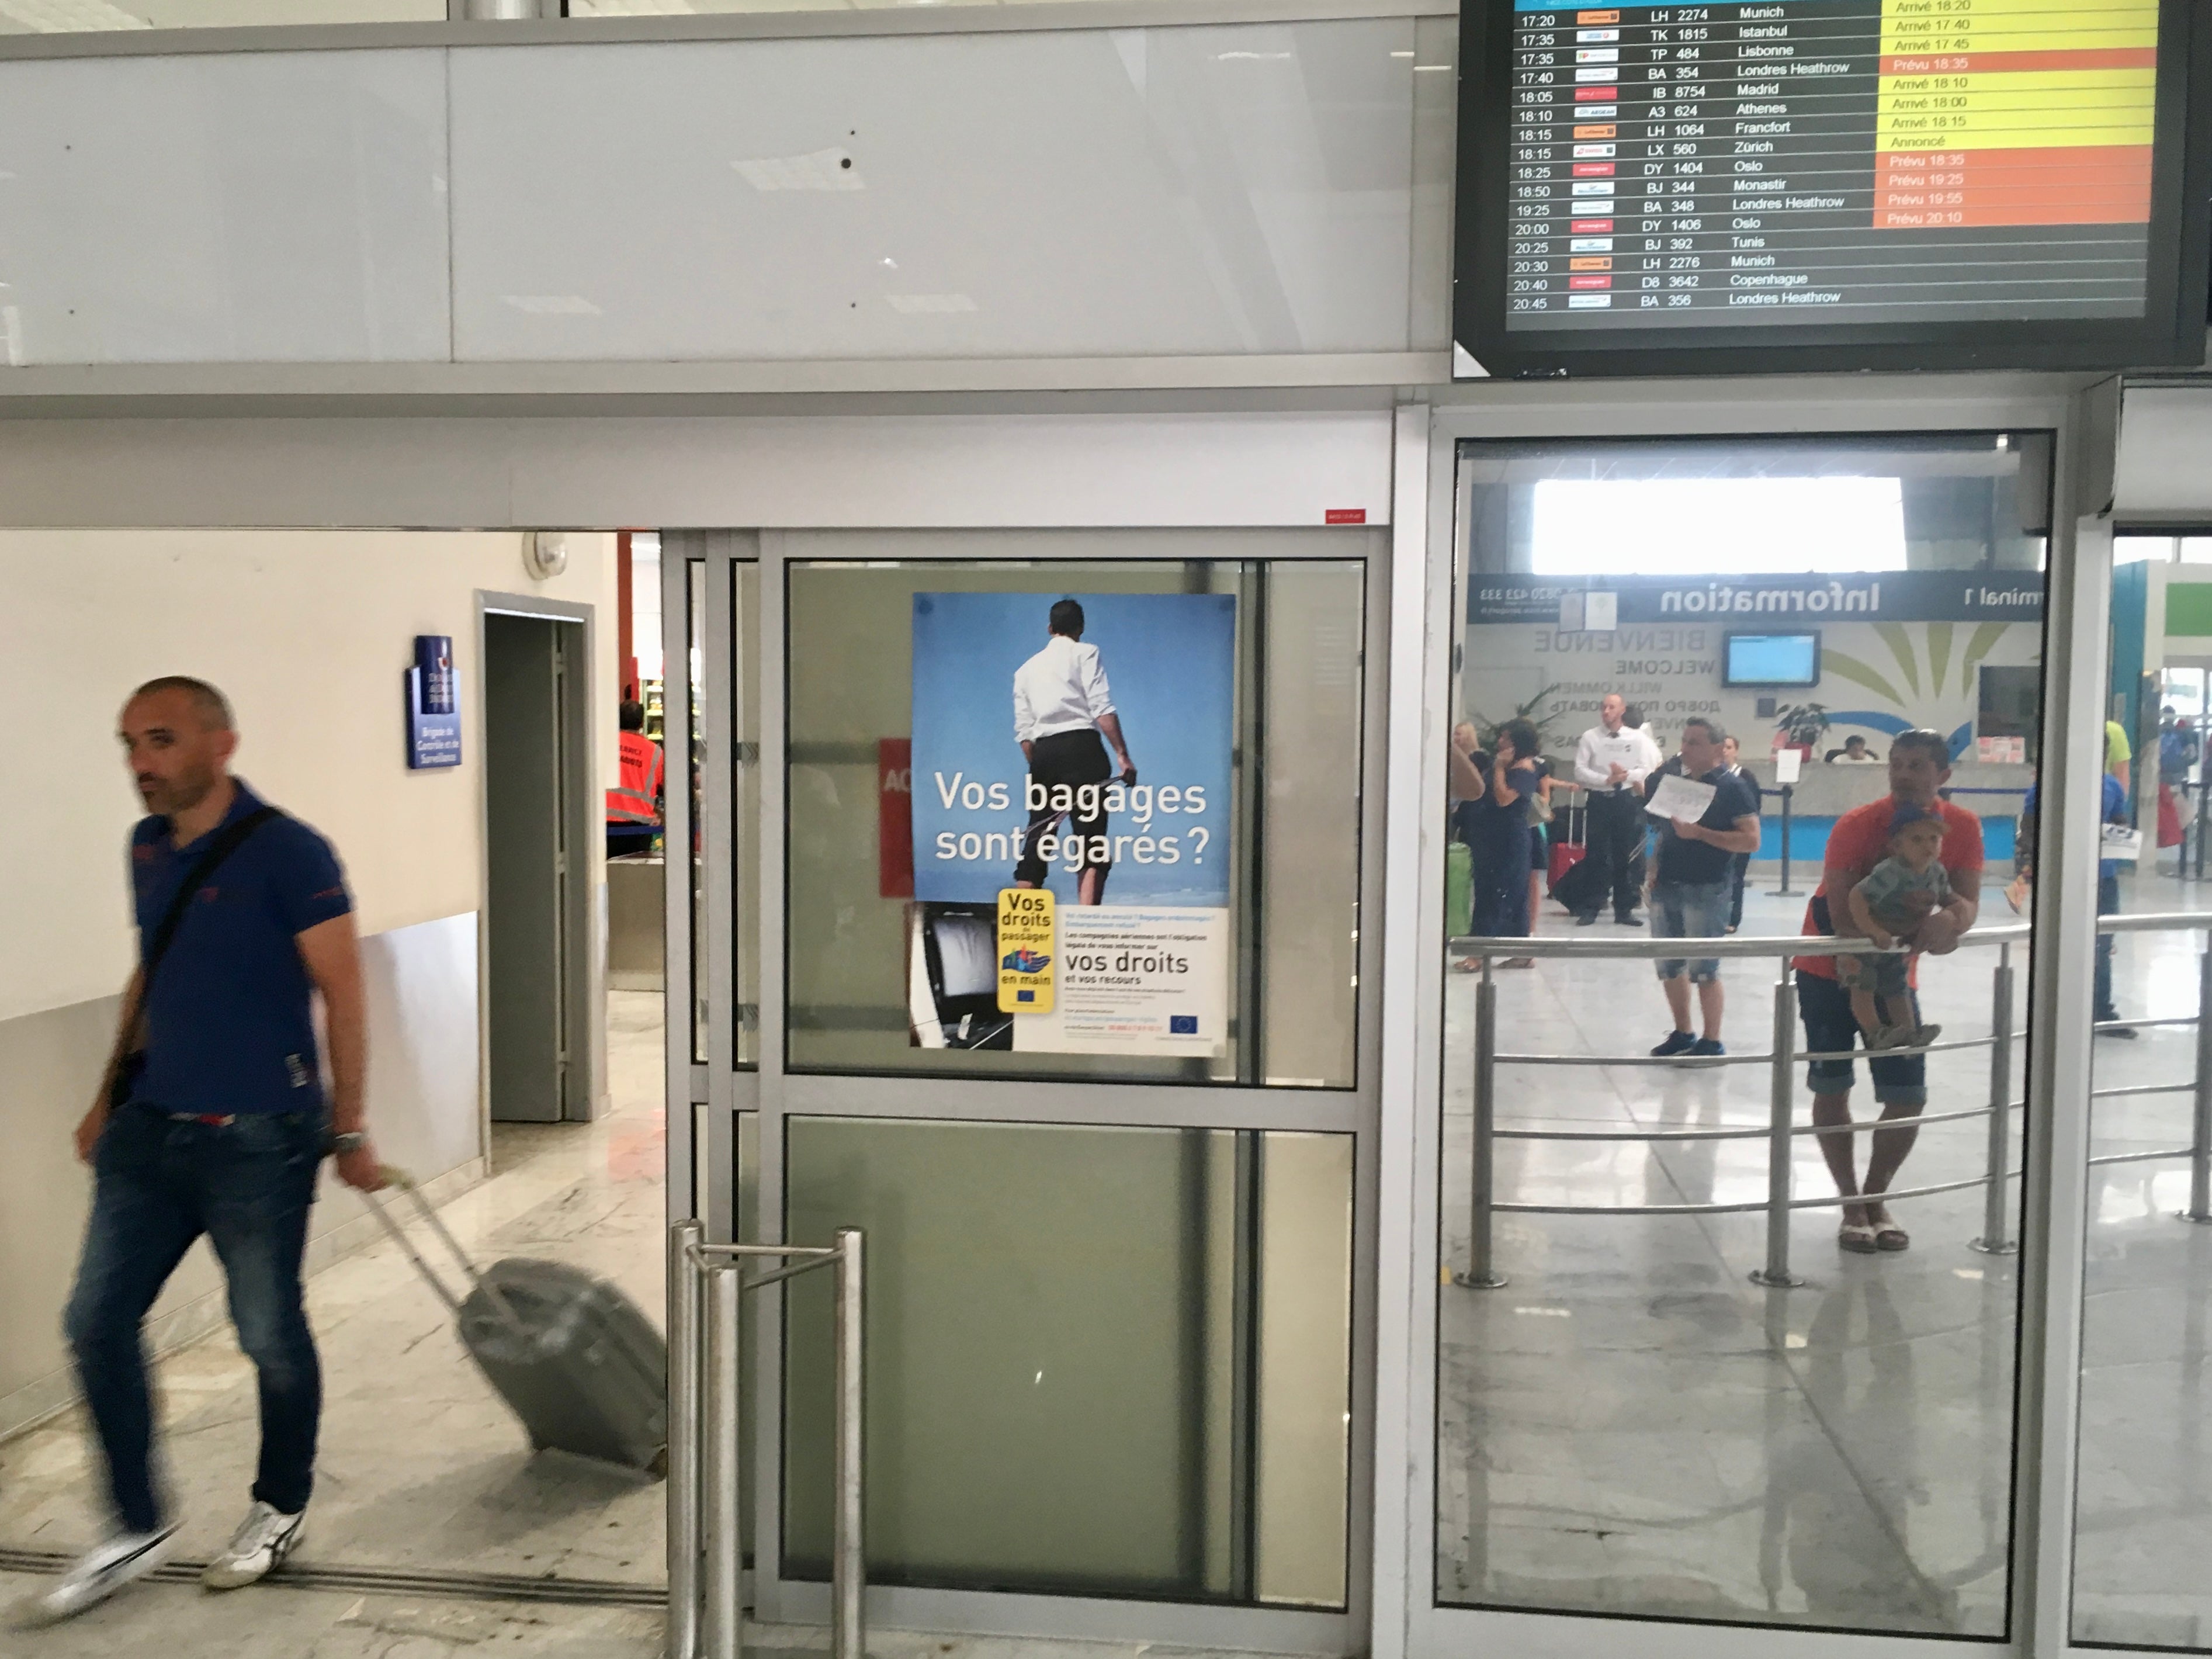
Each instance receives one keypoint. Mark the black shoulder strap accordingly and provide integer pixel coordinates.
(224, 845)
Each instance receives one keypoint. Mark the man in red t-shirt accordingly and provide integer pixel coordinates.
(1919, 763)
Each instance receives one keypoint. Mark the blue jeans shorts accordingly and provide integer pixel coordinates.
(1824, 1006)
(1683, 910)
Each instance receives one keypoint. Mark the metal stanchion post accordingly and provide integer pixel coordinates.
(683, 1486)
(1787, 792)
(1780, 1147)
(2203, 816)
(1480, 1274)
(722, 1542)
(848, 1565)
(2200, 1139)
(1996, 1200)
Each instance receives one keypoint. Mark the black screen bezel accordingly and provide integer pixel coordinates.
(1730, 636)
(2171, 333)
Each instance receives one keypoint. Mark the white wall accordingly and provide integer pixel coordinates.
(309, 633)
(424, 1102)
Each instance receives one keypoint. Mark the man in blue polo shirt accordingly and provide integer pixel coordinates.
(2113, 811)
(1690, 886)
(212, 1119)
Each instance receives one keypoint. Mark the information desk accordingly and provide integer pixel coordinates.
(637, 922)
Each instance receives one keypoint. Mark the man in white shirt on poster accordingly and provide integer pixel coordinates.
(1062, 709)
(1611, 762)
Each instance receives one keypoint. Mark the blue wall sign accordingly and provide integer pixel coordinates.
(433, 715)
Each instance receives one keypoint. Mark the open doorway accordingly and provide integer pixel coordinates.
(538, 820)
(526, 1102)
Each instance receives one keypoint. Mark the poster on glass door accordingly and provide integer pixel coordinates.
(1070, 792)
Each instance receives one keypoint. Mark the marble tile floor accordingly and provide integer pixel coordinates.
(273, 1622)
(421, 1466)
(1632, 1425)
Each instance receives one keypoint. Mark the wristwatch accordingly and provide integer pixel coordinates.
(351, 1141)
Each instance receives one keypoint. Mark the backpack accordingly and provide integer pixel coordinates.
(2177, 750)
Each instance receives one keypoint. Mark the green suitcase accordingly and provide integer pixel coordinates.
(1459, 889)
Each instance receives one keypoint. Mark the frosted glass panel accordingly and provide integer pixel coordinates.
(1055, 1311)
(83, 16)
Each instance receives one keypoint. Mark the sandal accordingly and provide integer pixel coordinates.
(1887, 1235)
(1857, 1237)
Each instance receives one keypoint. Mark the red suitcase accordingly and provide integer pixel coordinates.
(1569, 852)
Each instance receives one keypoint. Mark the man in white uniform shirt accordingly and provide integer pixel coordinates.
(1062, 708)
(1611, 762)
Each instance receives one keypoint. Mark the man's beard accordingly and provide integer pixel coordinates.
(182, 793)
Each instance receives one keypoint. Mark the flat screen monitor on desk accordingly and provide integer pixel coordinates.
(1832, 184)
(1770, 660)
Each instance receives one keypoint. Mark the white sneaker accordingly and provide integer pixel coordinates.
(256, 1549)
(99, 1573)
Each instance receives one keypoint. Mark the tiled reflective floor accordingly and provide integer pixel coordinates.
(1632, 1426)
(2144, 1507)
(421, 1466)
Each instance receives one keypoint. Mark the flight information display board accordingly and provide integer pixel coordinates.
(1992, 181)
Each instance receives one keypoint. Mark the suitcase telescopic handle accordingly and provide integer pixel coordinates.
(400, 1180)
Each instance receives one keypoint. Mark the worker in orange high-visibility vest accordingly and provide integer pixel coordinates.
(633, 805)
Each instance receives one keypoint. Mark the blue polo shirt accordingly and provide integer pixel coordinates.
(2115, 811)
(228, 1025)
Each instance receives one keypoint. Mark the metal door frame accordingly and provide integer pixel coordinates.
(2083, 412)
(719, 1092)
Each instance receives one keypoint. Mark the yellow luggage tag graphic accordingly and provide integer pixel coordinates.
(1026, 949)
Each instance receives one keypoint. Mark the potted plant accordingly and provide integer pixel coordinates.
(1799, 726)
(1526, 711)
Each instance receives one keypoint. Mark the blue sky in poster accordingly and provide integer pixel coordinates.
(1170, 661)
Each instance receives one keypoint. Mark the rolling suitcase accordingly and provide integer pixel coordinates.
(574, 1359)
(1582, 888)
(1570, 850)
(1459, 890)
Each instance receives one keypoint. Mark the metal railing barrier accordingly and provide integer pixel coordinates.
(705, 1542)
(1786, 793)
(1781, 1129)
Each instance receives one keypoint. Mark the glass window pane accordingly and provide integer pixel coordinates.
(1265, 681)
(745, 800)
(2142, 1528)
(1054, 1309)
(694, 735)
(659, 8)
(80, 16)
(748, 1191)
(1641, 1420)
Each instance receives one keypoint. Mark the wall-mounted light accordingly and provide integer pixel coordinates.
(545, 554)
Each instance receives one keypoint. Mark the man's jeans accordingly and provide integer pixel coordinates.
(2108, 904)
(1690, 909)
(160, 1183)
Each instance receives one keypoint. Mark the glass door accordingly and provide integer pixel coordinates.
(1727, 1250)
(1049, 975)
